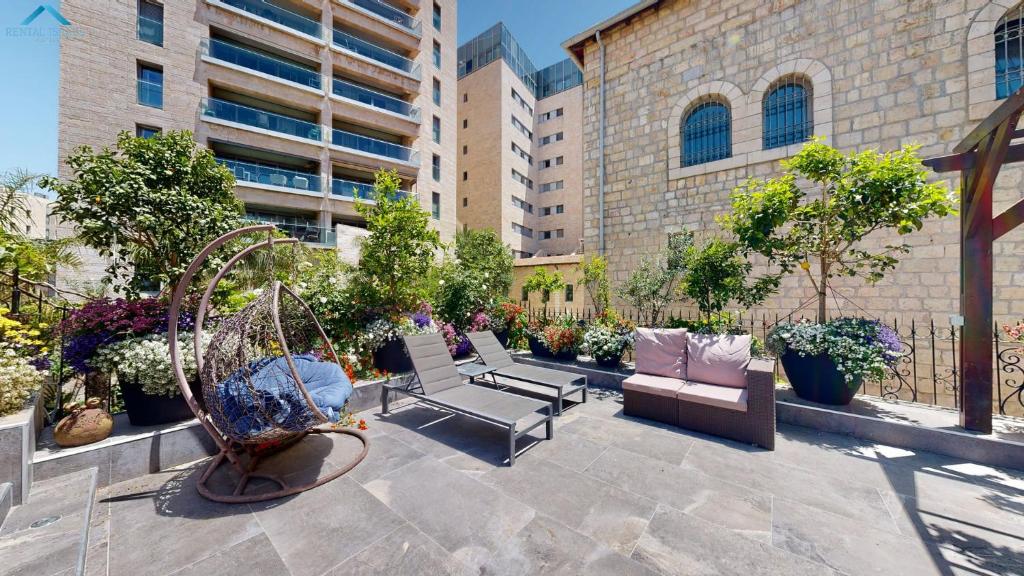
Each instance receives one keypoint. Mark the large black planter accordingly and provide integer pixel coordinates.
(611, 361)
(540, 349)
(817, 379)
(502, 336)
(392, 358)
(152, 409)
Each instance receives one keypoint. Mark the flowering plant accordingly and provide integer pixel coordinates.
(381, 331)
(605, 342)
(146, 361)
(18, 378)
(25, 340)
(1015, 332)
(512, 318)
(559, 335)
(860, 348)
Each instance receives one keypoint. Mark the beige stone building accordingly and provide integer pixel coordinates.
(571, 299)
(683, 100)
(519, 167)
(302, 99)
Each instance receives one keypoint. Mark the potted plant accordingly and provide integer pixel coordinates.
(383, 338)
(146, 377)
(509, 322)
(821, 233)
(559, 338)
(607, 339)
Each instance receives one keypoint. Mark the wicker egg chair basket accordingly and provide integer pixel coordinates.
(245, 348)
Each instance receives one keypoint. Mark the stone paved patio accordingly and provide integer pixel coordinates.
(609, 495)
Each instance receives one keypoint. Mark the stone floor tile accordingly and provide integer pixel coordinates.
(386, 454)
(688, 490)
(677, 543)
(466, 517)
(545, 546)
(569, 450)
(247, 558)
(612, 516)
(649, 441)
(404, 552)
(320, 528)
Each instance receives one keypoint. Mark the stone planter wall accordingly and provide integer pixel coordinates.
(18, 433)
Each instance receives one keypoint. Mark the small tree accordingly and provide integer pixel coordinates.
(150, 206)
(651, 286)
(717, 274)
(544, 282)
(857, 194)
(399, 251)
(595, 279)
(482, 251)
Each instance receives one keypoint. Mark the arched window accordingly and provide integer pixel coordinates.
(1009, 67)
(706, 134)
(787, 114)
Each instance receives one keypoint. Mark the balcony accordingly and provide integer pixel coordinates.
(262, 119)
(352, 189)
(252, 60)
(272, 175)
(278, 15)
(383, 56)
(375, 99)
(390, 14)
(367, 145)
(295, 228)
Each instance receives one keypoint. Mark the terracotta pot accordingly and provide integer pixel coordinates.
(85, 424)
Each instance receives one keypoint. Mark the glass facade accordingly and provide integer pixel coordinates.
(497, 42)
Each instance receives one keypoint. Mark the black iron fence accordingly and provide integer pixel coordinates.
(927, 370)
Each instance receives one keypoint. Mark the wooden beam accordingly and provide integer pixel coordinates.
(1013, 104)
(1008, 220)
(951, 162)
(991, 154)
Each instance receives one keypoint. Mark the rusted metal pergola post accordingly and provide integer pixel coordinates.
(978, 158)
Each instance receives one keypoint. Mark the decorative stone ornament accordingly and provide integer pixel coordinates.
(86, 423)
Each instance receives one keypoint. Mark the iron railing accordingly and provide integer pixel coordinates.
(926, 371)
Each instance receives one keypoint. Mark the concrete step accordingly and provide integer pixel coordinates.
(49, 534)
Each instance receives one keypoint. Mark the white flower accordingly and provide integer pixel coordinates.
(323, 299)
(440, 282)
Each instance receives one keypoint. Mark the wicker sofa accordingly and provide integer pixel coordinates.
(704, 383)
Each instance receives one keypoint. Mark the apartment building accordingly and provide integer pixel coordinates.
(700, 95)
(519, 167)
(303, 100)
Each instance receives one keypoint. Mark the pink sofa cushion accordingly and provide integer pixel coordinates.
(650, 384)
(710, 395)
(718, 359)
(661, 352)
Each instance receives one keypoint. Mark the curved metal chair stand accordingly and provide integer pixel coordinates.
(244, 452)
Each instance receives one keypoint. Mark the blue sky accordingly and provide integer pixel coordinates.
(29, 64)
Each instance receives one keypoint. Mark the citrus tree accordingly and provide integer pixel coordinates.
(544, 282)
(816, 215)
(594, 272)
(716, 274)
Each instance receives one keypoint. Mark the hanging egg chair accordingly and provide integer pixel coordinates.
(268, 378)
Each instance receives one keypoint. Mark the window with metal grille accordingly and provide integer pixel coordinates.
(1009, 53)
(706, 134)
(787, 114)
(570, 292)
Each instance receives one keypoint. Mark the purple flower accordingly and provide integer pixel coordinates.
(421, 320)
(462, 347)
(888, 339)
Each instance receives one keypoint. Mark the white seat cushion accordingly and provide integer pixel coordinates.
(651, 384)
(726, 397)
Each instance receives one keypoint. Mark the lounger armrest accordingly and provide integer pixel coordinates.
(761, 384)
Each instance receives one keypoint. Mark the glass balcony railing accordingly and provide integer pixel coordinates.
(150, 94)
(224, 110)
(227, 52)
(306, 232)
(389, 12)
(351, 189)
(272, 175)
(282, 16)
(369, 145)
(151, 30)
(376, 99)
(349, 42)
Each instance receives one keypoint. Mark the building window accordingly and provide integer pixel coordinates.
(435, 205)
(151, 22)
(437, 54)
(522, 230)
(146, 131)
(518, 150)
(465, 176)
(518, 177)
(787, 114)
(557, 137)
(465, 96)
(437, 129)
(465, 149)
(551, 186)
(465, 201)
(522, 204)
(436, 166)
(437, 16)
(523, 295)
(706, 134)
(570, 292)
(465, 123)
(550, 114)
(1009, 57)
(437, 91)
(521, 101)
(150, 86)
(557, 161)
(560, 209)
(521, 127)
